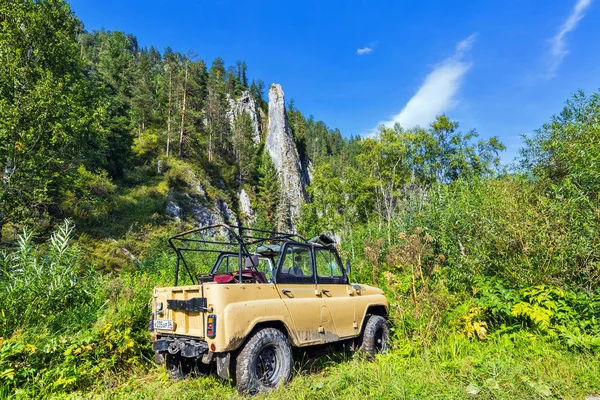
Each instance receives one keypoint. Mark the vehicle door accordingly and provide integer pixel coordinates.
(332, 283)
(296, 283)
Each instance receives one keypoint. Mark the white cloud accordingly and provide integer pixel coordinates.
(438, 92)
(364, 50)
(558, 46)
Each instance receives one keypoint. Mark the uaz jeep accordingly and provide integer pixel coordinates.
(264, 293)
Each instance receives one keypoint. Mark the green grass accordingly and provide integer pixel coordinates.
(519, 366)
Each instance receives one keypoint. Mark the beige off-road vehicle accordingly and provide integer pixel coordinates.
(265, 292)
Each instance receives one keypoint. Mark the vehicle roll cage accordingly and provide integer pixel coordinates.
(242, 239)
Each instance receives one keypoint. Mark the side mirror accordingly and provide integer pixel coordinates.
(347, 266)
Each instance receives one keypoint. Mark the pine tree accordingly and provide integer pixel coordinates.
(217, 106)
(143, 99)
(268, 195)
(243, 147)
(116, 67)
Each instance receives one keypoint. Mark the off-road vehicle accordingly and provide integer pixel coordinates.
(265, 292)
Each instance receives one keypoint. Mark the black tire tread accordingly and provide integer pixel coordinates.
(245, 382)
(174, 367)
(374, 323)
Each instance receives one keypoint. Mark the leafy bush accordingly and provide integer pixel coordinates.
(41, 282)
(64, 327)
(515, 230)
(569, 316)
(91, 197)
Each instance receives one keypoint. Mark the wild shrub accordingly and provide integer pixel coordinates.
(572, 317)
(91, 197)
(64, 326)
(515, 230)
(40, 282)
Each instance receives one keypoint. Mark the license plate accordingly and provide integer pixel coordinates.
(164, 324)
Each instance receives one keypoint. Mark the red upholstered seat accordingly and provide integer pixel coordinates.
(247, 273)
(223, 278)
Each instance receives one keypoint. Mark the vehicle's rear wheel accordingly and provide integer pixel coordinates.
(179, 367)
(375, 336)
(175, 366)
(264, 363)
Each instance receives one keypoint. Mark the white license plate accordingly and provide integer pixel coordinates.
(165, 324)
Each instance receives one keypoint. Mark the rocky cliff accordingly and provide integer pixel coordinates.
(245, 104)
(191, 202)
(280, 146)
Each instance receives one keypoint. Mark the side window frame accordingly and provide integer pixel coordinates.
(310, 281)
(342, 280)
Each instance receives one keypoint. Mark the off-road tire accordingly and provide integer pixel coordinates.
(175, 366)
(179, 367)
(264, 363)
(375, 337)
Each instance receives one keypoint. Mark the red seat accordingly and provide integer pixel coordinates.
(247, 273)
(226, 278)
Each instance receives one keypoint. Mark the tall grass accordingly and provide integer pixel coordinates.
(64, 327)
(41, 282)
(488, 297)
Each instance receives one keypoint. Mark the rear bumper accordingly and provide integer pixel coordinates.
(187, 347)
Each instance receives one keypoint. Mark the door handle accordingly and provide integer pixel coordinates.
(285, 291)
(325, 291)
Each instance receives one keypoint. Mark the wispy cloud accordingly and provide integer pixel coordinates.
(364, 50)
(438, 92)
(558, 45)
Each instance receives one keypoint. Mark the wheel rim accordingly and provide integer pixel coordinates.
(380, 343)
(267, 366)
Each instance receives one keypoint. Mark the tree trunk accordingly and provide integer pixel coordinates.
(169, 112)
(210, 141)
(183, 112)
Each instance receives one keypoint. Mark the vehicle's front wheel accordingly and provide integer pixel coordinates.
(375, 337)
(264, 363)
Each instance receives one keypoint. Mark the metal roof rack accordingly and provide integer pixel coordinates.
(201, 239)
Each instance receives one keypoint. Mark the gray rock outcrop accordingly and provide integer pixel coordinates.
(188, 207)
(191, 203)
(282, 149)
(245, 104)
(248, 214)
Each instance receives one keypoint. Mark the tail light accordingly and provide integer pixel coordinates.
(211, 326)
(151, 322)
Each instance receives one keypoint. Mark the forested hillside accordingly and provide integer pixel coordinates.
(107, 148)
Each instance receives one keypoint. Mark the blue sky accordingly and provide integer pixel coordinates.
(501, 67)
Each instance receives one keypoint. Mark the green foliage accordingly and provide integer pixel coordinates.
(63, 326)
(492, 279)
(268, 194)
(43, 282)
(511, 367)
(572, 317)
(508, 228)
(566, 149)
(243, 141)
(338, 202)
(441, 154)
(112, 72)
(51, 114)
(91, 198)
